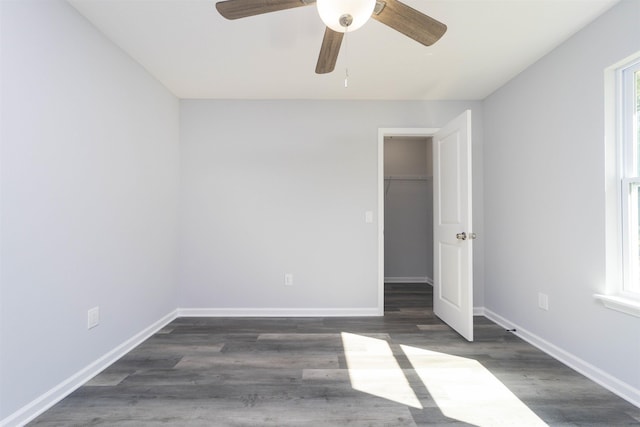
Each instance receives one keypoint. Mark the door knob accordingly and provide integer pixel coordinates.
(465, 236)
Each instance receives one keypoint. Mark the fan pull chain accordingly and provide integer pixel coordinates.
(346, 57)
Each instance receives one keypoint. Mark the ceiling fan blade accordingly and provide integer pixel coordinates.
(234, 9)
(329, 51)
(408, 21)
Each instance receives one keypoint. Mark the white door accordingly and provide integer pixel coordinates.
(453, 233)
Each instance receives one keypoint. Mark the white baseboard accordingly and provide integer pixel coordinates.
(614, 385)
(417, 279)
(30, 411)
(279, 312)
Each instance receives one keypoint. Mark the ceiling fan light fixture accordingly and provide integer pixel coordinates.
(335, 13)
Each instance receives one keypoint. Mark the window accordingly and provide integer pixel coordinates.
(629, 140)
(622, 136)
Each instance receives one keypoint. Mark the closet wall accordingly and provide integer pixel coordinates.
(408, 216)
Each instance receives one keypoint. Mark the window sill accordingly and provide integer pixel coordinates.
(620, 303)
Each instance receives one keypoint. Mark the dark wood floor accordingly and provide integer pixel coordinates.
(404, 369)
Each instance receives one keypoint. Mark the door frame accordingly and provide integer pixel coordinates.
(382, 133)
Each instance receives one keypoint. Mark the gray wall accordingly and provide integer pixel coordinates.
(89, 161)
(545, 201)
(270, 187)
(408, 156)
(408, 209)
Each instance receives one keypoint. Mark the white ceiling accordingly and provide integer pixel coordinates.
(196, 53)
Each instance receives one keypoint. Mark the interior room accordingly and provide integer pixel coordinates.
(163, 167)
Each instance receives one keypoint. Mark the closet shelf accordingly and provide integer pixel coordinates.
(408, 177)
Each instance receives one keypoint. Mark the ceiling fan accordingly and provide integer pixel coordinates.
(345, 15)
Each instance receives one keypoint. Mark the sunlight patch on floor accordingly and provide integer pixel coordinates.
(373, 369)
(465, 390)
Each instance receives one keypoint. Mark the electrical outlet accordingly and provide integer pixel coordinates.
(543, 301)
(368, 217)
(93, 317)
(288, 279)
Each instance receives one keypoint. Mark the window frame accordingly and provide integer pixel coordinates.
(622, 172)
(629, 178)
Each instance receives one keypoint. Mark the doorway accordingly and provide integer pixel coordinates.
(408, 209)
(406, 136)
